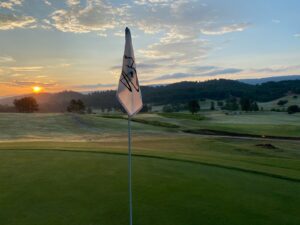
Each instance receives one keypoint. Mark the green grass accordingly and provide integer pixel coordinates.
(185, 181)
(256, 123)
(144, 121)
(183, 116)
(273, 104)
(72, 169)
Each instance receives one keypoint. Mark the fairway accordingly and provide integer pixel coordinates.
(72, 169)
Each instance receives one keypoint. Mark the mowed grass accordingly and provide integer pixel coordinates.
(78, 175)
(86, 183)
(257, 123)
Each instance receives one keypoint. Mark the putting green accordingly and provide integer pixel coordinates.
(77, 187)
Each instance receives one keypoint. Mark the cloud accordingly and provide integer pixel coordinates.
(297, 35)
(183, 27)
(276, 69)
(26, 68)
(179, 24)
(47, 2)
(17, 83)
(96, 16)
(10, 4)
(200, 69)
(182, 51)
(6, 59)
(276, 21)
(93, 86)
(73, 2)
(154, 2)
(10, 21)
(212, 71)
(220, 30)
(142, 66)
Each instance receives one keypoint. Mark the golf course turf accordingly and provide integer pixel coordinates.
(178, 178)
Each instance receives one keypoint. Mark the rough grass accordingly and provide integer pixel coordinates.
(183, 116)
(144, 121)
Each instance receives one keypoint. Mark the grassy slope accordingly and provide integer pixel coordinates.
(273, 104)
(178, 178)
(260, 123)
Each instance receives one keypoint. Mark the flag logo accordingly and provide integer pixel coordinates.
(129, 93)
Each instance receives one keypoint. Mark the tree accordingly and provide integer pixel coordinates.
(254, 107)
(231, 104)
(212, 105)
(26, 105)
(167, 109)
(245, 104)
(220, 103)
(76, 106)
(282, 102)
(293, 109)
(194, 106)
(146, 108)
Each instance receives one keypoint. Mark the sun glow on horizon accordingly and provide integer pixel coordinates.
(36, 89)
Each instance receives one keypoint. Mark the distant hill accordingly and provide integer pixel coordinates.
(181, 92)
(48, 102)
(268, 79)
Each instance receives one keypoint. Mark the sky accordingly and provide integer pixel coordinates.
(78, 44)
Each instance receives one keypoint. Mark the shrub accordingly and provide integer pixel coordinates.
(282, 102)
(293, 109)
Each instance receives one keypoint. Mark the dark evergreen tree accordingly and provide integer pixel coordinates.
(231, 104)
(212, 105)
(76, 106)
(194, 106)
(282, 102)
(245, 104)
(26, 105)
(220, 103)
(254, 106)
(293, 109)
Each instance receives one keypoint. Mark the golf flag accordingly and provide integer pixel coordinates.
(129, 93)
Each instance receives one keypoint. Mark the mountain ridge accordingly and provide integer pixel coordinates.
(176, 93)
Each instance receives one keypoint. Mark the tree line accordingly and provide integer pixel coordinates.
(233, 95)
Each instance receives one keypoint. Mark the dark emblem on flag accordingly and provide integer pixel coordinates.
(128, 78)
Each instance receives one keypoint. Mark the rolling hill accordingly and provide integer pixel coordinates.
(181, 92)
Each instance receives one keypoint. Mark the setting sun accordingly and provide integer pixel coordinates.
(36, 89)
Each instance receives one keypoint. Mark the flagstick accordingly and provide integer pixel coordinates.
(129, 170)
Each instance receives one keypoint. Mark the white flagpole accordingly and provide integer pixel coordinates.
(129, 170)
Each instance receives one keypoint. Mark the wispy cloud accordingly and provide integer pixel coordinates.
(10, 4)
(275, 69)
(47, 2)
(210, 72)
(11, 21)
(96, 16)
(6, 59)
(17, 83)
(276, 21)
(220, 30)
(94, 86)
(73, 2)
(27, 68)
(297, 35)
